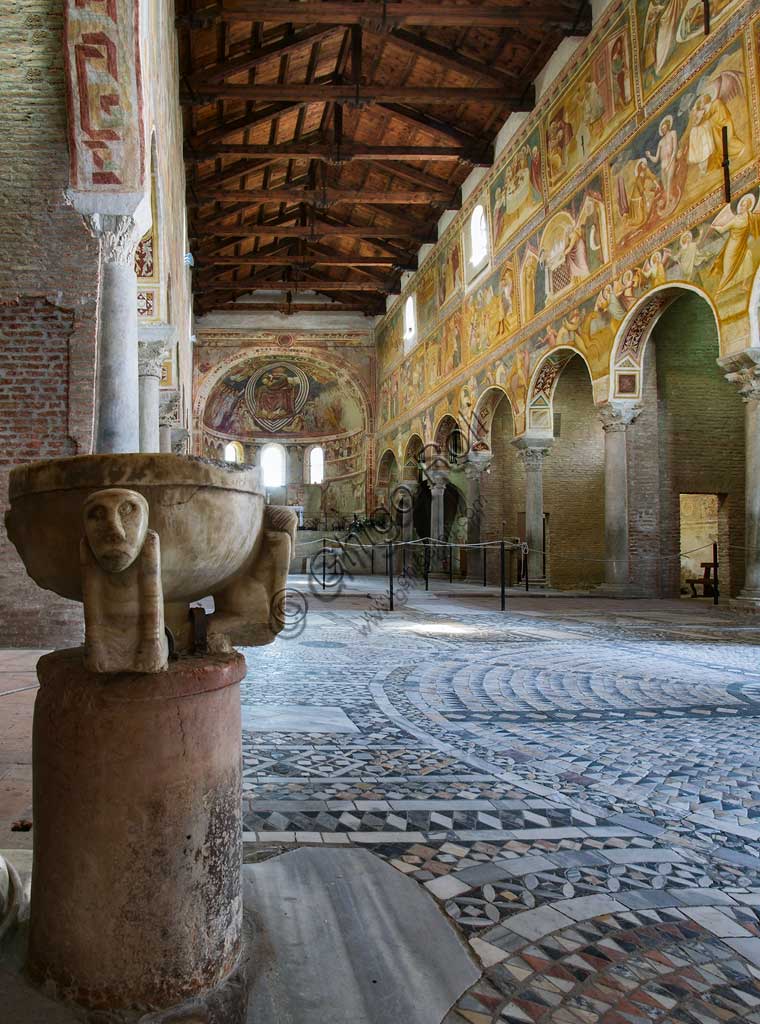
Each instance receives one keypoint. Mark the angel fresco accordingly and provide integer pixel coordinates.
(668, 31)
(678, 158)
(735, 263)
(224, 404)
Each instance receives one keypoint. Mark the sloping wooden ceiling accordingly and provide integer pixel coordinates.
(323, 140)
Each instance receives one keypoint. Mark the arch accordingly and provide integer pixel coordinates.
(447, 429)
(539, 418)
(754, 311)
(385, 467)
(629, 348)
(412, 452)
(483, 415)
(233, 452)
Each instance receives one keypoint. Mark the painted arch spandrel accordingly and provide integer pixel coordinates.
(677, 158)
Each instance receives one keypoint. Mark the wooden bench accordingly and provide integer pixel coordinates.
(705, 581)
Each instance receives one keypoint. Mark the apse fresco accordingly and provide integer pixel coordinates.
(668, 31)
(678, 156)
(490, 314)
(450, 270)
(570, 247)
(281, 397)
(597, 101)
(517, 190)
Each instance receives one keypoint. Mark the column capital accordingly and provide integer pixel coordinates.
(168, 415)
(150, 356)
(742, 369)
(617, 416)
(532, 450)
(118, 234)
(477, 463)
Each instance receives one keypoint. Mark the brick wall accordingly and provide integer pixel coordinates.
(574, 485)
(48, 297)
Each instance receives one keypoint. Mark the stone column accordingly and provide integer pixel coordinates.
(743, 370)
(532, 452)
(474, 468)
(153, 343)
(616, 417)
(117, 406)
(168, 422)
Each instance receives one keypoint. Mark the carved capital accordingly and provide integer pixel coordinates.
(437, 480)
(742, 369)
(477, 463)
(533, 458)
(119, 236)
(180, 438)
(168, 413)
(617, 416)
(150, 356)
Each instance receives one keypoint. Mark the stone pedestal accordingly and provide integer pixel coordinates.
(616, 417)
(137, 831)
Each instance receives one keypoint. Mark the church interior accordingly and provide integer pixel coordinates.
(380, 564)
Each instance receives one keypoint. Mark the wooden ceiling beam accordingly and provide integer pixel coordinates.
(317, 231)
(419, 120)
(321, 198)
(259, 55)
(386, 16)
(360, 95)
(452, 60)
(340, 305)
(415, 177)
(242, 124)
(310, 259)
(345, 152)
(241, 287)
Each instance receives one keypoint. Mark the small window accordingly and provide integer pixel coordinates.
(410, 322)
(478, 237)
(233, 452)
(316, 465)
(273, 465)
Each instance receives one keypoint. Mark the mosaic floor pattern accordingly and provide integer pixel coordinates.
(576, 783)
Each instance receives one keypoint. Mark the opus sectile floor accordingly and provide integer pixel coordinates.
(577, 783)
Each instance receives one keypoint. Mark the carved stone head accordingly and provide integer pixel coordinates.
(115, 524)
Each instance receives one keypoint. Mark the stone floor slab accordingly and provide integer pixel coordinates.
(344, 938)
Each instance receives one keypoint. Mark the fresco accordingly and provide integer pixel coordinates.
(281, 398)
(427, 298)
(668, 31)
(599, 99)
(570, 247)
(444, 350)
(517, 190)
(678, 157)
(390, 338)
(490, 314)
(450, 270)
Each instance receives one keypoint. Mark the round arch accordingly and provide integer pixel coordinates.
(483, 416)
(385, 467)
(754, 311)
(629, 348)
(449, 440)
(539, 418)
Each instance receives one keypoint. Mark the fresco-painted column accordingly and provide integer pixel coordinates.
(532, 453)
(118, 402)
(743, 370)
(616, 417)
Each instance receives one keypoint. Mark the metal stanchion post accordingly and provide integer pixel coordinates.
(405, 547)
(484, 559)
(503, 561)
(451, 563)
(390, 575)
(427, 566)
(716, 592)
(372, 558)
(324, 561)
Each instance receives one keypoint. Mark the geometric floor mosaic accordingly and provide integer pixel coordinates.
(577, 783)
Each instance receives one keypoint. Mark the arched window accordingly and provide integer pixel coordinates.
(233, 452)
(478, 237)
(316, 465)
(273, 465)
(410, 321)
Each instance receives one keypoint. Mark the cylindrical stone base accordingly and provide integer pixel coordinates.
(137, 831)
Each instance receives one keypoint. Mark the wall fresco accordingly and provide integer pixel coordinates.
(599, 99)
(450, 270)
(650, 214)
(677, 158)
(668, 31)
(570, 247)
(427, 299)
(517, 190)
